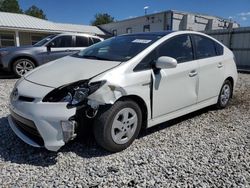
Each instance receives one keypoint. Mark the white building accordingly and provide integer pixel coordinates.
(169, 20)
(21, 29)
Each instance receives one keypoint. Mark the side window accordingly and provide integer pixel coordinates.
(219, 49)
(147, 62)
(179, 47)
(82, 41)
(205, 47)
(62, 42)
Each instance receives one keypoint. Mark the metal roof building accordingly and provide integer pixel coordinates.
(169, 20)
(21, 29)
(237, 40)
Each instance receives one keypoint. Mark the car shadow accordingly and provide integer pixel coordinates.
(16, 151)
(145, 132)
(7, 75)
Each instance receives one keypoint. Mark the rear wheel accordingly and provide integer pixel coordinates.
(225, 94)
(22, 66)
(116, 128)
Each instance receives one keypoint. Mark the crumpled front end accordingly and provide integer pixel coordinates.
(56, 113)
(38, 123)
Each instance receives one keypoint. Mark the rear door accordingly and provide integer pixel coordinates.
(60, 47)
(176, 88)
(211, 67)
(81, 42)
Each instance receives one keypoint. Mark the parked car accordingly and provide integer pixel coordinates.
(122, 84)
(20, 60)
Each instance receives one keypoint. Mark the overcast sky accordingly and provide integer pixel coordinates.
(83, 11)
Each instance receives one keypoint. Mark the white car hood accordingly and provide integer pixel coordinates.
(68, 70)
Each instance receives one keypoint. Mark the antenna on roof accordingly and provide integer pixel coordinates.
(146, 9)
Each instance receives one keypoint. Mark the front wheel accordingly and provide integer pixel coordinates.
(225, 94)
(116, 128)
(22, 66)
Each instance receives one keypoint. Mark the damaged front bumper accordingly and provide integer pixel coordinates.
(43, 125)
(40, 124)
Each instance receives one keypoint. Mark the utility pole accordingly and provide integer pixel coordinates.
(146, 9)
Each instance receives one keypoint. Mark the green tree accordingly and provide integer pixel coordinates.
(102, 19)
(36, 12)
(10, 6)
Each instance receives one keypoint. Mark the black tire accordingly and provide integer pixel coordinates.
(103, 125)
(220, 104)
(17, 71)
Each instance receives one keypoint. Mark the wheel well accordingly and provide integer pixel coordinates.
(22, 57)
(142, 106)
(231, 80)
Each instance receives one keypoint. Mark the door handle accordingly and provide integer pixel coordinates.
(68, 50)
(220, 65)
(193, 73)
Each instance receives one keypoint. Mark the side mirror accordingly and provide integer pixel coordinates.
(50, 45)
(165, 62)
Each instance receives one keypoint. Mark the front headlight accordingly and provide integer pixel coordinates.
(74, 94)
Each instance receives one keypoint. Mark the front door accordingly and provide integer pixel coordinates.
(60, 47)
(175, 88)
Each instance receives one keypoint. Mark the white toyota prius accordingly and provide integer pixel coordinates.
(122, 85)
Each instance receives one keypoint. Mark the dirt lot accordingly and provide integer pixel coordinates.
(208, 148)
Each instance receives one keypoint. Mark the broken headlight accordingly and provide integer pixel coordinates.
(74, 94)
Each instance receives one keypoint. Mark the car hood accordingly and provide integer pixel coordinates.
(68, 70)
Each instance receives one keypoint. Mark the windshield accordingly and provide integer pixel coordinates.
(44, 41)
(121, 48)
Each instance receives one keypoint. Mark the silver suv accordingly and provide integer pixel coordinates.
(23, 59)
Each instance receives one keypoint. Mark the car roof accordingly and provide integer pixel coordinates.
(77, 34)
(160, 33)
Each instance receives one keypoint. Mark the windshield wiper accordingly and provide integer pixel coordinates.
(96, 57)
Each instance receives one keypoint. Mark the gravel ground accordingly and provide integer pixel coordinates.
(208, 148)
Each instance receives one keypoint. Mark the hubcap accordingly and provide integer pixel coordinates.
(225, 94)
(124, 125)
(23, 67)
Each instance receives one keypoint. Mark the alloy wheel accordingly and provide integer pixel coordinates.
(124, 125)
(23, 66)
(225, 94)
